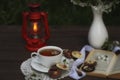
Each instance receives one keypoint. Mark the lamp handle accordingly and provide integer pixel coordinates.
(44, 15)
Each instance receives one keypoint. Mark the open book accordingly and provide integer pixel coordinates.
(107, 64)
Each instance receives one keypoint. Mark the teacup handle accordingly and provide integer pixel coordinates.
(35, 57)
(34, 54)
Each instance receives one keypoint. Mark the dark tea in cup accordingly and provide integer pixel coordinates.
(49, 52)
(48, 55)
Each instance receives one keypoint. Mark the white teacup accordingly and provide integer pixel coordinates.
(46, 59)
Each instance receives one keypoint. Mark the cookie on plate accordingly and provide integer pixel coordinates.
(62, 66)
(76, 54)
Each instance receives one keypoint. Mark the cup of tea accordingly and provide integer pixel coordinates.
(48, 55)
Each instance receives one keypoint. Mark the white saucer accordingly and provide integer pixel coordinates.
(41, 68)
(38, 67)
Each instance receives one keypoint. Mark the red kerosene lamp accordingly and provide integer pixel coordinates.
(35, 27)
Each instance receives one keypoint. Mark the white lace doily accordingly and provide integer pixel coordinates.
(31, 74)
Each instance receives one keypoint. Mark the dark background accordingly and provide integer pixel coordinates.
(60, 12)
(65, 20)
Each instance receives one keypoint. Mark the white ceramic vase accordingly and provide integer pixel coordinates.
(98, 33)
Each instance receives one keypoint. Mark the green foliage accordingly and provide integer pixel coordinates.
(110, 45)
(60, 12)
(9, 11)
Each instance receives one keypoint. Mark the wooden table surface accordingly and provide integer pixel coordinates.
(13, 51)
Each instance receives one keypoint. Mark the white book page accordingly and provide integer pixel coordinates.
(103, 58)
(116, 67)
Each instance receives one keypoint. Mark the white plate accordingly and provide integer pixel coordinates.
(38, 67)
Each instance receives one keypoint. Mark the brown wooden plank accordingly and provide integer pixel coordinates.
(13, 51)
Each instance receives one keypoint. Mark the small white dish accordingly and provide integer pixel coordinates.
(38, 67)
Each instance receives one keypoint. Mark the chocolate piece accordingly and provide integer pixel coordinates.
(67, 53)
(79, 72)
(89, 66)
(54, 72)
